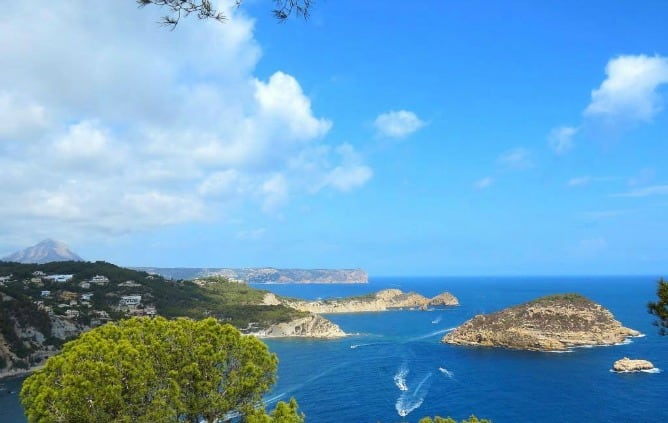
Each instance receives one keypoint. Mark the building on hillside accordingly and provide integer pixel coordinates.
(131, 284)
(4, 279)
(129, 301)
(99, 280)
(86, 296)
(45, 294)
(38, 273)
(71, 314)
(59, 278)
(84, 285)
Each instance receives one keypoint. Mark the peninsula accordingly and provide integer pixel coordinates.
(260, 275)
(552, 323)
(380, 301)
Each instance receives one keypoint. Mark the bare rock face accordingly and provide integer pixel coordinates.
(444, 299)
(628, 365)
(552, 323)
(380, 301)
(312, 326)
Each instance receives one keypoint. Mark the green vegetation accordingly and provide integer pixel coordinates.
(235, 303)
(571, 297)
(660, 307)
(149, 370)
(437, 419)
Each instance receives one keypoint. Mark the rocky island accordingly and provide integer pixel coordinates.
(380, 301)
(626, 365)
(552, 323)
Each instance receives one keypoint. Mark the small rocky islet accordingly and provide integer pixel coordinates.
(552, 323)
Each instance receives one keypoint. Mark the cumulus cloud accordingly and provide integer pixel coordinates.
(560, 139)
(630, 92)
(515, 159)
(125, 126)
(351, 174)
(397, 124)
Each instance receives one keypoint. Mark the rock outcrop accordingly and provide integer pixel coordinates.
(552, 323)
(380, 301)
(628, 365)
(312, 326)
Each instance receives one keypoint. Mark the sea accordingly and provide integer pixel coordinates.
(393, 367)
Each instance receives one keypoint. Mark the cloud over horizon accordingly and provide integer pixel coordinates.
(109, 132)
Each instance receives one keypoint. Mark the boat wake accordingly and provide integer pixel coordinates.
(400, 378)
(437, 320)
(431, 334)
(447, 372)
(410, 401)
(276, 397)
(652, 371)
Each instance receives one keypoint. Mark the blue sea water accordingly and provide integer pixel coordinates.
(393, 368)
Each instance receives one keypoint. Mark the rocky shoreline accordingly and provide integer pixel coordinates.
(312, 326)
(552, 323)
(627, 365)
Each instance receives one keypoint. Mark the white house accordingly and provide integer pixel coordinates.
(86, 296)
(60, 278)
(99, 280)
(45, 294)
(129, 301)
(71, 314)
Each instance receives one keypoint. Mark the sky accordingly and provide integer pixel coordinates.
(431, 138)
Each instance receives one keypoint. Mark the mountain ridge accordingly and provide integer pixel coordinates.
(46, 251)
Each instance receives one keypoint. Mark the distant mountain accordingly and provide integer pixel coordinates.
(265, 274)
(44, 252)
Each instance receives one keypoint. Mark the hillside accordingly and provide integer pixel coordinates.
(42, 305)
(554, 323)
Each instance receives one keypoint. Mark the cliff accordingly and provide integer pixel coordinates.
(312, 326)
(380, 301)
(552, 323)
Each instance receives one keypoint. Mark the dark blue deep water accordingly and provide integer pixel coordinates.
(357, 379)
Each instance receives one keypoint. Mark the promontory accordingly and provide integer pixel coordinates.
(386, 299)
(551, 323)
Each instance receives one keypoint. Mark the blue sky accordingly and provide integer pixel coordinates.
(444, 138)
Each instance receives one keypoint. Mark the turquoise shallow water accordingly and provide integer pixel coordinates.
(394, 364)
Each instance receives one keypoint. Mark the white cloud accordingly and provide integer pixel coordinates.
(629, 93)
(484, 183)
(19, 117)
(516, 159)
(397, 124)
(351, 174)
(282, 101)
(646, 191)
(127, 126)
(579, 181)
(560, 139)
(275, 192)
